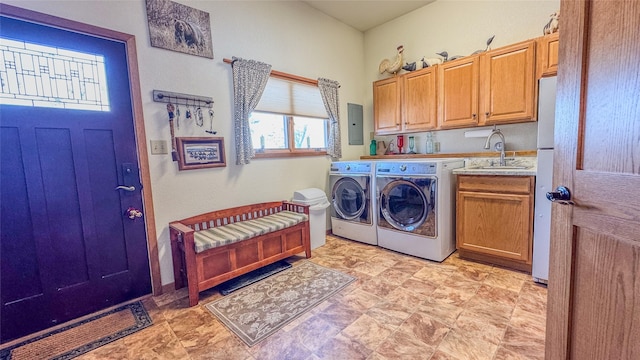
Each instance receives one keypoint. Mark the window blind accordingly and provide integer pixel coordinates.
(292, 98)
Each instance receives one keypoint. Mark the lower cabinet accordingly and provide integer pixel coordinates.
(494, 219)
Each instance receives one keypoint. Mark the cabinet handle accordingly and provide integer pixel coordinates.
(474, 116)
(486, 114)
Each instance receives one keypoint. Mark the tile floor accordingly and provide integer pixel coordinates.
(401, 307)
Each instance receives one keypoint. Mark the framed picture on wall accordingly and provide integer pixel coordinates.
(200, 152)
(178, 27)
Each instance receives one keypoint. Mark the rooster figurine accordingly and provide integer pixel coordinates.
(392, 67)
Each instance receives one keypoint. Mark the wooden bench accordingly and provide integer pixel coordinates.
(212, 248)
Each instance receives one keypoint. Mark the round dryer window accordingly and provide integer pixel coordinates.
(404, 205)
(349, 198)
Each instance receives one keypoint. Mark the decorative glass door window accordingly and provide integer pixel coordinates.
(44, 76)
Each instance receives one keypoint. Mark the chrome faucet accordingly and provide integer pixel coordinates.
(487, 144)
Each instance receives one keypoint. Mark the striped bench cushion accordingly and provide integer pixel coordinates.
(243, 230)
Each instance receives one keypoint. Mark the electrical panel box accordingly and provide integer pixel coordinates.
(356, 136)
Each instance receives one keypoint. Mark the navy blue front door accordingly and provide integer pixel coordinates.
(68, 245)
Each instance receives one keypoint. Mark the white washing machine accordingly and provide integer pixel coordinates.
(416, 207)
(353, 204)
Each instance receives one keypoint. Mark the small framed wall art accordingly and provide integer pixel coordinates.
(178, 27)
(200, 152)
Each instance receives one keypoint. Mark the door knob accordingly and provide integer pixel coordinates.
(562, 196)
(133, 213)
(126, 188)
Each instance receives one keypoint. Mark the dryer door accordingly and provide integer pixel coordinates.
(349, 199)
(408, 205)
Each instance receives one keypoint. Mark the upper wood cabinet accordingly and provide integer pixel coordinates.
(458, 93)
(508, 84)
(419, 107)
(548, 55)
(386, 106)
(494, 87)
(405, 103)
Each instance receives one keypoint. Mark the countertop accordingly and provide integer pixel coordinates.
(485, 154)
(475, 166)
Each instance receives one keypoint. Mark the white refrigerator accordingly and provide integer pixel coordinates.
(544, 179)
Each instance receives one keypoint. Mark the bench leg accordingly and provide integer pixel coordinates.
(191, 268)
(307, 244)
(194, 295)
(178, 264)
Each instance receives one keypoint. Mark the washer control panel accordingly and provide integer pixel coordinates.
(351, 167)
(398, 168)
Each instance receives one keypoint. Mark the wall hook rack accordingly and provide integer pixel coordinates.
(182, 99)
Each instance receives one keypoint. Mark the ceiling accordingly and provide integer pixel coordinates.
(364, 15)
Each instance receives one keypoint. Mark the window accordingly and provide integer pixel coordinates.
(290, 120)
(44, 76)
(284, 134)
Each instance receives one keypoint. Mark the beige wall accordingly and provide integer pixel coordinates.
(460, 28)
(290, 36)
(293, 38)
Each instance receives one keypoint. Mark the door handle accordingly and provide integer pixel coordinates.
(562, 196)
(126, 188)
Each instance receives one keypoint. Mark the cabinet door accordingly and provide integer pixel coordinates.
(495, 224)
(508, 84)
(386, 106)
(419, 107)
(548, 55)
(458, 93)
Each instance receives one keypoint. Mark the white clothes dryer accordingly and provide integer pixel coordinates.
(353, 203)
(416, 207)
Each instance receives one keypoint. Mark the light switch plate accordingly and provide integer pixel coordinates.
(159, 147)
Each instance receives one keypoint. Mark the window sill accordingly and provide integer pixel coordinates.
(287, 154)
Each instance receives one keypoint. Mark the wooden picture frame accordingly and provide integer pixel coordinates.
(200, 152)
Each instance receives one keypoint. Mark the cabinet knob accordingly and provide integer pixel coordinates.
(486, 114)
(474, 116)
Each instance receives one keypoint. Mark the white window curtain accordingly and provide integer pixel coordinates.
(329, 91)
(249, 80)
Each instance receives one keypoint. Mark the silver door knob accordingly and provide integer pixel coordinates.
(133, 213)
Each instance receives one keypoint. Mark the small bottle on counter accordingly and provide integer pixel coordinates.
(373, 148)
(429, 143)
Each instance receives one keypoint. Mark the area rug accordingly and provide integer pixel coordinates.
(254, 276)
(259, 310)
(81, 337)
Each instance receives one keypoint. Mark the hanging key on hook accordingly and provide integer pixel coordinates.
(210, 131)
(177, 116)
(199, 117)
(187, 115)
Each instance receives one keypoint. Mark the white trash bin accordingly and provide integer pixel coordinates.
(318, 204)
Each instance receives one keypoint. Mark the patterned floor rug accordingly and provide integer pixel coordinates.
(76, 339)
(259, 310)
